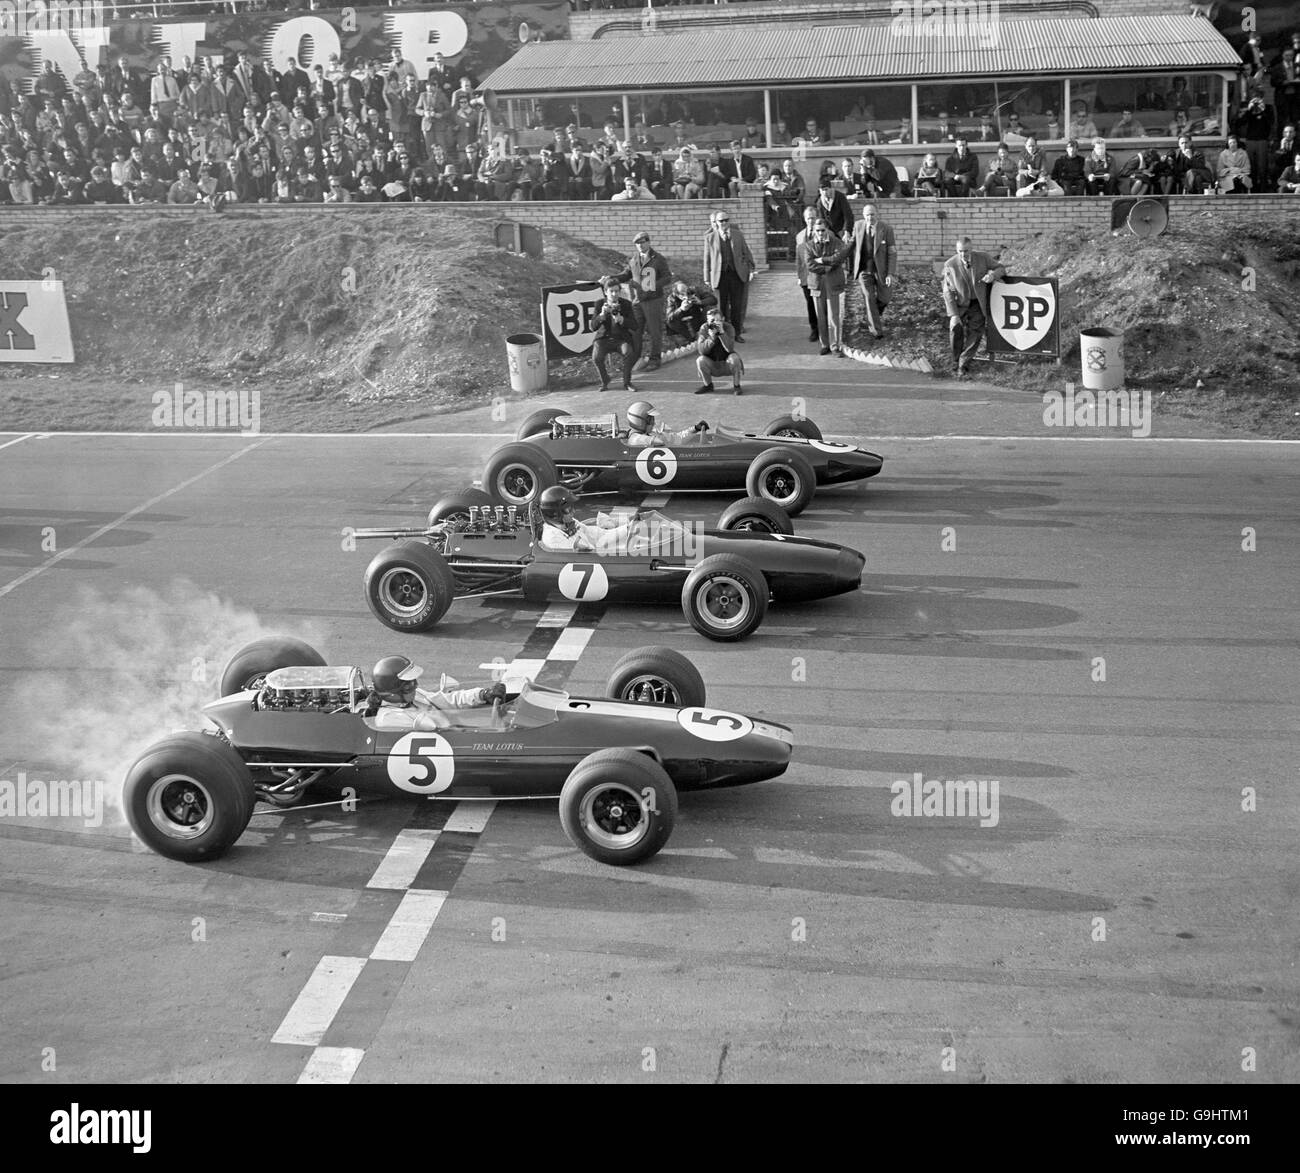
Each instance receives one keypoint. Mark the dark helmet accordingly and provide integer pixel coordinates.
(641, 416)
(556, 504)
(394, 678)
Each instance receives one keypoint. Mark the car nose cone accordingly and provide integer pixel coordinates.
(848, 570)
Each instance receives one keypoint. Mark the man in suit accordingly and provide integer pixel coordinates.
(961, 173)
(833, 207)
(823, 258)
(728, 269)
(801, 269)
(650, 278)
(966, 281)
(873, 263)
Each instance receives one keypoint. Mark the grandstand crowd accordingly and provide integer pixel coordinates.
(235, 129)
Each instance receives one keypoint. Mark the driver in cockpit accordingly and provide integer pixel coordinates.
(646, 430)
(561, 530)
(396, 702)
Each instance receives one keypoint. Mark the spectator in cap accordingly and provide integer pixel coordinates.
(833, 207)
(650, 278)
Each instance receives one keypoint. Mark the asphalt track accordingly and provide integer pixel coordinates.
(792, 930)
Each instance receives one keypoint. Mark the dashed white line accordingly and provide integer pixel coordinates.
(403, 860)
(314, 1009)
(557, 615)
(408, 926)
(112, 525)
(571, 643)
(471, 817)
(528, 668)
(332, 1065)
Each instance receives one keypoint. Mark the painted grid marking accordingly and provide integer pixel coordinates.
(313, 1011)
(404, 858)
(332, 1065)
(406, 931)
(553, 647)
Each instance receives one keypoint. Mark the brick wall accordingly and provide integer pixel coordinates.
(994, 223)
(604, 23)
(676, 227)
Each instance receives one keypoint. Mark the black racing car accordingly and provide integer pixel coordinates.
(287, 721)
(722, 578)
(784, 465)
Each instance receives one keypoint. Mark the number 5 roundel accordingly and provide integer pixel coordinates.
(714, 724)
(656, 466)
(421, 763)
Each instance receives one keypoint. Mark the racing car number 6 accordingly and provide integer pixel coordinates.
(421, 763)
(656, 466)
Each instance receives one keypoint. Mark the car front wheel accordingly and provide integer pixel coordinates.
(618, 806)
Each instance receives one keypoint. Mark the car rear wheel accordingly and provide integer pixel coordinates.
(248, 667)
(784, 477)
(517, 473)
(656, 676)
(789, 425)
(457, 506)
(725, 597)
(757, 514)
(409, 586)
(539, 422)
(189, 797)
(618, 806)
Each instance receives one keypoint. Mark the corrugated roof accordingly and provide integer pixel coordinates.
(875, 52)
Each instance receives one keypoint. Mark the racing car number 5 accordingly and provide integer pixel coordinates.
(421, 763)
(656, 466)
(714, 724)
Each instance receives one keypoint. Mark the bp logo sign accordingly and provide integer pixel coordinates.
(569, 318)
(1024, 316)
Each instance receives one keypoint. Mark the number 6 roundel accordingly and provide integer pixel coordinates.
(656, 466)
(714, 724)
(421, 763)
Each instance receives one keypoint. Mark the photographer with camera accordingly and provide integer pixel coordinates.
(616, 332)
(716, 343)
(686, 310)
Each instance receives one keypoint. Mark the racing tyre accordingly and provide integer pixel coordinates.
(656, 676)
(757, 514)
(409, 586)
(784, 477)
(787, 425)
(539, 422)
(189, 797)
(457, 505)
(517, 473)
(725, 597)
(618, 806)
(248, 666)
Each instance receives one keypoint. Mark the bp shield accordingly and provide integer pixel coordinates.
(1024, 316)
(569, 318)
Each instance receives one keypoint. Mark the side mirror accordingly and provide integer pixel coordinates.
(445, 682)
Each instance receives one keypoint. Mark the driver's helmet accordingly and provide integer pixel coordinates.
(394, 679)
(556, 505)
(641, 416)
